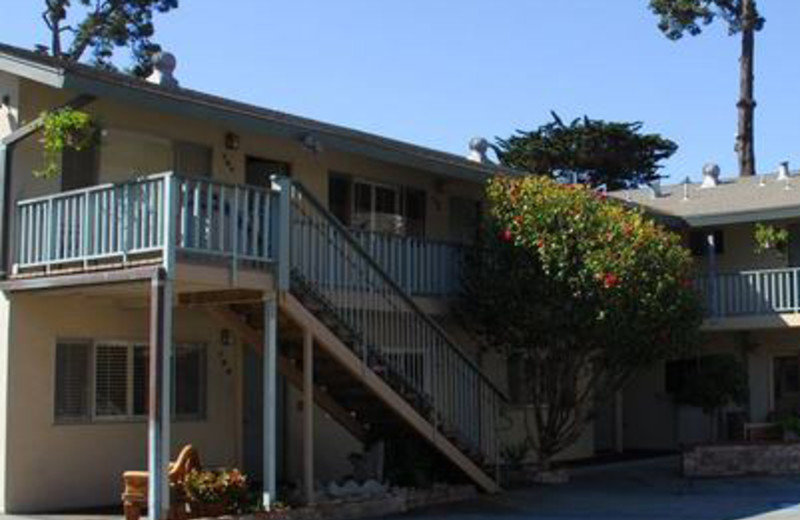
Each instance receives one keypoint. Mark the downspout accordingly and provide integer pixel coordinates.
(7, 145)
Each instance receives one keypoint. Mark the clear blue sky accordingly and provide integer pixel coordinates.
(439, 72)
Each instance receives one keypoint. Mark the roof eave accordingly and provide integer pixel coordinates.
(243, 120)
(743, 217)
(38, 72)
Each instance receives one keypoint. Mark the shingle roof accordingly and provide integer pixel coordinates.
(363, 141)
(740, 199)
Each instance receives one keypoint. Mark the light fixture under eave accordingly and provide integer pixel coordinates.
(312, 143)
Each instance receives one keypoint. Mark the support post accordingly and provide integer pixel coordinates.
(270, 427)
(282, 233)
(712, 274)
(159, 395)
(308, 416)
(5, 210)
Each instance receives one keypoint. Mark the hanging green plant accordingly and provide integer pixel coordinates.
(770, 238)
(61, 129)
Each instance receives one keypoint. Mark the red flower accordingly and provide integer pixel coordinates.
(506, 235)
(610, 280)
(540, 243)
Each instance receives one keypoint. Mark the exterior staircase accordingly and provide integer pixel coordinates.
(381, 364)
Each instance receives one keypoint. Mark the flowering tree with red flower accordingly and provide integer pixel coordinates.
(580, 289)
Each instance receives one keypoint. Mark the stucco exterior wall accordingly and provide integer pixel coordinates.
(653, 421)
(52, 466)
(739, 251)
(136, 141)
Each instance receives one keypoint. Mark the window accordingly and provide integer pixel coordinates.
(698, 242)
(339, 201)
(465, 215)
(193, 159)
(786, 384)
(111, 380)
(258, 172)
(115, 375)
(383, 208)
(72, 381)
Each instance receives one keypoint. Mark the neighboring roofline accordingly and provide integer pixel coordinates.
(88, 80)
(743, 217)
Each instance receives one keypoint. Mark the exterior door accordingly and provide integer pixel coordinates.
(252, 417)
(794, 245)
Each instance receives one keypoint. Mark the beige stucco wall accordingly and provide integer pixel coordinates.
(136, 142)
(80, 465)
(739, 251)
(654, 421)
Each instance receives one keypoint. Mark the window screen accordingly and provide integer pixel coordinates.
(111, 381)
(72, 381)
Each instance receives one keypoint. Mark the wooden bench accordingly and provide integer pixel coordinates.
(134, 497)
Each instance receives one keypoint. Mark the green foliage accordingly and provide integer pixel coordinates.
(102, 26)
(514, 454)
(225, 487)
(712, 382)
(679, 17)
(61, 129)
(597, 152)
(791, 425)
(770, 238)
(583, 288)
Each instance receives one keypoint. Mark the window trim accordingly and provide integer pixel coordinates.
(91, 416)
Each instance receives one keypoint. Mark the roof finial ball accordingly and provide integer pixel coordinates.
(478, 146)
(164, 64)
(710, 175)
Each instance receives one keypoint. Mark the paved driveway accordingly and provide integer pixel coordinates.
(650, 490)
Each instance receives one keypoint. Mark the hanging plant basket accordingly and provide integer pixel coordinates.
(65, 128)
(769, 238)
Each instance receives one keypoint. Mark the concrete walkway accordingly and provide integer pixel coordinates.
(650, 490)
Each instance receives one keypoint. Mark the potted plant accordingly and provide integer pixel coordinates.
(64, 128)
(771, 238)
(212, 493)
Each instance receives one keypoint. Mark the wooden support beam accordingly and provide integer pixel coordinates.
(137, 274)
(308, 416)
(159, 412)
(228, 297)
(288, 370)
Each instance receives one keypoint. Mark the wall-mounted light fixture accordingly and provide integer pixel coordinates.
(312, 143)
(232, 141)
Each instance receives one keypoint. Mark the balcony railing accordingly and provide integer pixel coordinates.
(421, 266)
(756, 292)
(132, 221)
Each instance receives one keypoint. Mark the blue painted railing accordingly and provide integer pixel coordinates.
(752, 292)
(131, 222)
(421, 266)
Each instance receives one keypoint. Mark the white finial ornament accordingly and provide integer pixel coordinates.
(478, 146)
(164, 64)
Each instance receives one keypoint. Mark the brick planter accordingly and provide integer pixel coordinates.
(738, 459)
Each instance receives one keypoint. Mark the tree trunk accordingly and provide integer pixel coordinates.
(747, 104)
(55, 27)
